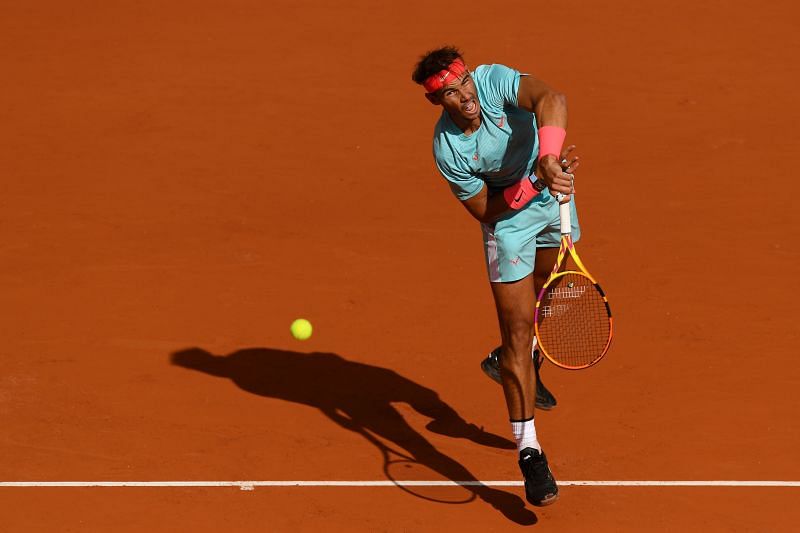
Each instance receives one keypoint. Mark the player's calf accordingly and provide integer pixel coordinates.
(490, 365)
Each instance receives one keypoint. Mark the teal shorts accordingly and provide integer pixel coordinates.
(510, 243)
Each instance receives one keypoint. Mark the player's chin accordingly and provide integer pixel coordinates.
(471, 110)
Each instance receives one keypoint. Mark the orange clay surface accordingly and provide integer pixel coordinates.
(179, 179)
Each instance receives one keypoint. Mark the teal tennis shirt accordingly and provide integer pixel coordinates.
(501, 151)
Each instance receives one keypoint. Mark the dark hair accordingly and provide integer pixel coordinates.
(433, 62)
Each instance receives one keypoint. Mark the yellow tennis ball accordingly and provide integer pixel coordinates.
(301, 329)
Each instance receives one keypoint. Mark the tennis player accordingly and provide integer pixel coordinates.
(498, 143)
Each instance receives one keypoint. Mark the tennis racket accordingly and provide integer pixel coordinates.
(573, 319)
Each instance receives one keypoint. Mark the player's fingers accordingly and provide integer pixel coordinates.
(571, 178)
(564, 186)
(572, 166)
(563, 198)
(566, 162)
(562, 180)
(566, 151)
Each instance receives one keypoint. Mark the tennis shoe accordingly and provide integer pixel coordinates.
(491, 367)
(540, 485)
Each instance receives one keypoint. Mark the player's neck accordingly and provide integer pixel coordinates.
(466, 125)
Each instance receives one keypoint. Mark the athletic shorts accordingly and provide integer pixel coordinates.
(510, 243)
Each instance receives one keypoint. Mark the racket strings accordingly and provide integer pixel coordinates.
(573, 321)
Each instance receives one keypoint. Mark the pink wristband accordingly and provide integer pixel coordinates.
(521, 193)
(551, 138)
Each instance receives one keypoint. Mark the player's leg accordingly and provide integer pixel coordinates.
(515, 303)
(545, 259)
(491, 367)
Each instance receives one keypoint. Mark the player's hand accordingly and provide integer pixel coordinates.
(554, 176)
(568, 161)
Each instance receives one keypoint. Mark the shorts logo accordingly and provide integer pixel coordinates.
(515, 261)
(475, 156)
(502, 121)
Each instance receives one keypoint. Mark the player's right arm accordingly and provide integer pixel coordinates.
(487, 208)
(472, 192)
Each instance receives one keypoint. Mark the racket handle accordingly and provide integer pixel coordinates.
(563, 211)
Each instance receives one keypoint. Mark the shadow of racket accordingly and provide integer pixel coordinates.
(420, 479)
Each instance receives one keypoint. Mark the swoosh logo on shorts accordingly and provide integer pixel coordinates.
(515, 261)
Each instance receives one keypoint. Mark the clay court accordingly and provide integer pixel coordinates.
(181, 180)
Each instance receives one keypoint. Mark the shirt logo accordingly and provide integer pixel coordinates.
(475, 156)
(502, 121)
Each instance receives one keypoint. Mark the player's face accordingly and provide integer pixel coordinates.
(460, 99)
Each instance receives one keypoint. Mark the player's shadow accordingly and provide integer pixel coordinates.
(359, 398)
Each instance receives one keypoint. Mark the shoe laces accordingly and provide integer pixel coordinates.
(535, 467)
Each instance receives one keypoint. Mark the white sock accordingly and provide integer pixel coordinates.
(525, 434)
(535, 345)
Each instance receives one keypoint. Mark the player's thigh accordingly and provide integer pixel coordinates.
(545, 261)
(515, 302)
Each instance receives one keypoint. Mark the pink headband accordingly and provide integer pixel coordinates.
(438, 80)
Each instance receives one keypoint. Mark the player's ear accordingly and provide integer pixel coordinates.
(432, 98)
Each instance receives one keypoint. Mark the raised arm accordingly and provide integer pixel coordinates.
(550, 108)
(549, 105)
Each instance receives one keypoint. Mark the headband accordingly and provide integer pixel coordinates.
(438, 80)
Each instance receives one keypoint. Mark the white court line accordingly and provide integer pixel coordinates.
(249, 485)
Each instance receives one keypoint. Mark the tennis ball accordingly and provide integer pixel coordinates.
(301, 329)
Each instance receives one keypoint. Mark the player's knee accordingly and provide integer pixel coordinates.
(519, 336)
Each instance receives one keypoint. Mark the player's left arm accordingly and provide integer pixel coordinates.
(550, 108)
(549, 105)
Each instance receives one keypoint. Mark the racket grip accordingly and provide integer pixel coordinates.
(563, 211)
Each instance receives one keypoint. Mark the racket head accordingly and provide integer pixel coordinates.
(573, 321)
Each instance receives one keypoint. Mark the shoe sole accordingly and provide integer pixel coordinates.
(547, 501)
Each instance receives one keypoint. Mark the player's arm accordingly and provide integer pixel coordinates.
(472, 191)
(550, 108)
(485, 207)
(549, 105)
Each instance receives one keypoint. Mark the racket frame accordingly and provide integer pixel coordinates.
(567, 247)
